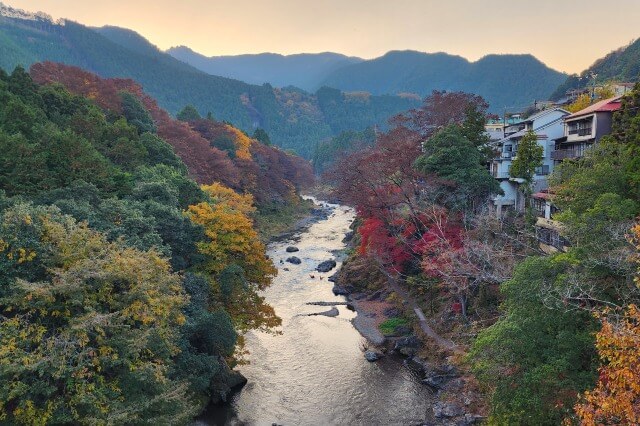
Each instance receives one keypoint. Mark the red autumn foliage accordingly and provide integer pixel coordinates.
(205, 163)
(440, 109)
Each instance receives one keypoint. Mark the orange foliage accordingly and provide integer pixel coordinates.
(231, 238)
(616, 398)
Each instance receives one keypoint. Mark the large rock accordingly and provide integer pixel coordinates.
(294, 260)
(446, 409)
(407, 342)
(292, 249)
(333, 312)
(342, 291)
(372, 356)
(326, 266)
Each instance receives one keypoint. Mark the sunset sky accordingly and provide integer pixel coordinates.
(567, 35)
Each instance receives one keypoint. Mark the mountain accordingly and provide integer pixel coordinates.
(293, 118)
(305, 70)
(622, 64)
(503, 80)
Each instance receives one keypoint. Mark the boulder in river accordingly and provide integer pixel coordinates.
(333, 312)
(294, 260)
(292, 249)
(372, 356)
(326, 266)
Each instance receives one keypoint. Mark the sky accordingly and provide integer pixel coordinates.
(568, 35)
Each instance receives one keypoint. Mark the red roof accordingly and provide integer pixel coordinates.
(607, 105)
(542, 195)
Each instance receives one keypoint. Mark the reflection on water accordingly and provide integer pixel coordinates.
(315, 372)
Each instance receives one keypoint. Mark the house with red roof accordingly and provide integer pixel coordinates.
(584, 128)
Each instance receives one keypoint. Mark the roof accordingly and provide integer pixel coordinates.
(607, 105)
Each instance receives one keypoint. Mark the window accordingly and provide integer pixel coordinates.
(542, 170)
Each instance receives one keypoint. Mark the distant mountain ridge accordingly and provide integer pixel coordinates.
(622, 64)
(293, 118)
(503, 80)
(305, 70)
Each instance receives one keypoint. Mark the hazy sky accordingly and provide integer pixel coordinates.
(565, 34)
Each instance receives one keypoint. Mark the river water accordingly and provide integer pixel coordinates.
(314, 373)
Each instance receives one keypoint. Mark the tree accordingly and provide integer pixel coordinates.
(262, 136)
(581, 102)
(537, 357)
(529, 156)
(458, 164)
(188, 113)
(230, 236)
(88, 328)
(616, 397)
(136, 114)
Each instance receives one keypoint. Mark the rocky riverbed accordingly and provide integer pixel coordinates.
(315, 370)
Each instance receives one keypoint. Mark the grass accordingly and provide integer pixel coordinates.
(388, 327)
(273, 220)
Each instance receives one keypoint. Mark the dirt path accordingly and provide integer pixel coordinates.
(422, 319)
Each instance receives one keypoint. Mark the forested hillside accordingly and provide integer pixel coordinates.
(294, 119)
(622, 64)
(125, 286)
(305, 70)
(503, 80)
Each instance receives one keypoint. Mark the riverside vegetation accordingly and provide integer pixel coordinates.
(546, 338)
(128, 274)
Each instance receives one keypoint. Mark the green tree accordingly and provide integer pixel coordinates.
(262, 136)
(136, 114)
(538, 356)
(92, 339)
(188, 113)
(529, 156)
(450, 156)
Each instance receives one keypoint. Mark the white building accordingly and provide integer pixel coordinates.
(548, 125)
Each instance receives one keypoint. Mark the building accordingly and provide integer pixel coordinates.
(548, 231)
(584, 128)
(548, 125)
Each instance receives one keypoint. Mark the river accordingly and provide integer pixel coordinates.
(314, 373)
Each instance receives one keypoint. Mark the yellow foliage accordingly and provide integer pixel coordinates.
(242, 142)
(220, 194)
(582, 102)
(231, 239)
(616, 398)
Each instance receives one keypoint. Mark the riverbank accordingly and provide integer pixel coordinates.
(381, 305)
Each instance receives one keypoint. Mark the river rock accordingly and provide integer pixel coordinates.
(372, 356)
(292, 249)
(407, 342)
(333, 312)
(446, 409)
(326, 266)
(342, 291)
(333, 278)
(348, 237)
(327, 303)
(294, 260)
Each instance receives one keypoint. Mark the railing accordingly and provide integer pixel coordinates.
(500, 175)
(584, 131)
(561, 154)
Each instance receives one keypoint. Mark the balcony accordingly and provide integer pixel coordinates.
(584, 131)
(500, 175)
(562, 154)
